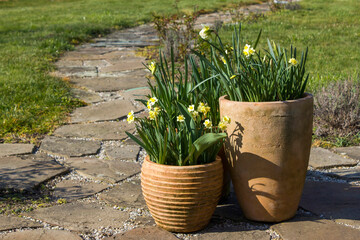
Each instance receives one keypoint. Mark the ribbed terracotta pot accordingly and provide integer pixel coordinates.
(268, 148)
(182, 198)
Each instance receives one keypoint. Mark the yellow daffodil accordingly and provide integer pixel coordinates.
(222, 126)
(148, 105)
(226, 120)
(152, 67)
(293, 61)
(233, 76)
(205, 32)
(191, 108)
(152, 115)
(223, 60)
(152, 101)
(208, 123)
(156, 110)
(180, 118)
(248, 51)
(194, 114)
(130, 117)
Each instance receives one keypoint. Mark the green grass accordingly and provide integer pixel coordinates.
(34, 33)
(331, 30)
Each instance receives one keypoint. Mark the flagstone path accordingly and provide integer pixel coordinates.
(92, 168)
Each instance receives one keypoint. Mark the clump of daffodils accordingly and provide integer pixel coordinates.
(205, 32)
(151, 102)
(248, 51)
(203, 108)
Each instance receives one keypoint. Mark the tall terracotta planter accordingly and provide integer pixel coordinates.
(268, 148)
(182, 198)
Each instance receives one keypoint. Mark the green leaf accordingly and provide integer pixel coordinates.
(206, 141)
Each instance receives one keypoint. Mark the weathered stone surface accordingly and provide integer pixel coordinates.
(102, 112)
(124, 152)
(351, 152)
(109, 84)
(338, 201)
(12, 222)
(128, 194)
(40, 234)
(71, 189)
(98, 131)
(144, 233)
(68, 63)
(8, 149)
(108, 171)
(76, 71)
(314, 228)
(81, 217)
(136, 93)
(124, 65)
(231, 233)
(69, 147)
(348, 173)
(230, 209)
(86, 96)
(322, 158)
(27, 171)
(96, 63)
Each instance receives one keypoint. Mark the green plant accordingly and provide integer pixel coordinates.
(178, 130)
(247, 75)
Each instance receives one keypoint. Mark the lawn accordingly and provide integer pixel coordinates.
(331, 30)
(34, 33)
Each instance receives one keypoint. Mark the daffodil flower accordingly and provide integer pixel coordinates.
(233, 76)
(226, 120)
(130, 117)
(194, 114)
(205, 32)
(152, 67)
(191, 108)
(222, 126)
(180, 118)
(208, 123)
(156, 110)
(248, 51)
(293, 61)
(223, 60)
(152, 115)
(152, 101)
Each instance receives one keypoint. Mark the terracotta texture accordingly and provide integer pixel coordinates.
(268, 148)
(182, 198)
(226, 176)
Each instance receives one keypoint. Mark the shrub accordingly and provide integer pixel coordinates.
(337, 109)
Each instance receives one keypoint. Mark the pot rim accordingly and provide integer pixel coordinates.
(306, 97)
(207, 165)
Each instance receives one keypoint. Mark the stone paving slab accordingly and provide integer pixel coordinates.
(86, 96)
(40, 234)
(107, 171)
(136, 93)
(112, 110)
(14, 222)
(28, 171)
(128, 194)
(236, 232)
(110, 84)
(124, 152)
(76, 71)
(337, 201)
(321, 158)
(80, 216)
(72, 190)
(144, 233)
(346, 173)
(98, 131)
(8, 149)
(351, 152)
(97, 63)
(69, 147)
(124, 65)
(314, 228)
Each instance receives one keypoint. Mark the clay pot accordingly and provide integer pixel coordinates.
(182, 198)
(226, 176)
(268, 148)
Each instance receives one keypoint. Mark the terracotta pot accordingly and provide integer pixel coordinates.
(182, 198)
(268, 148)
